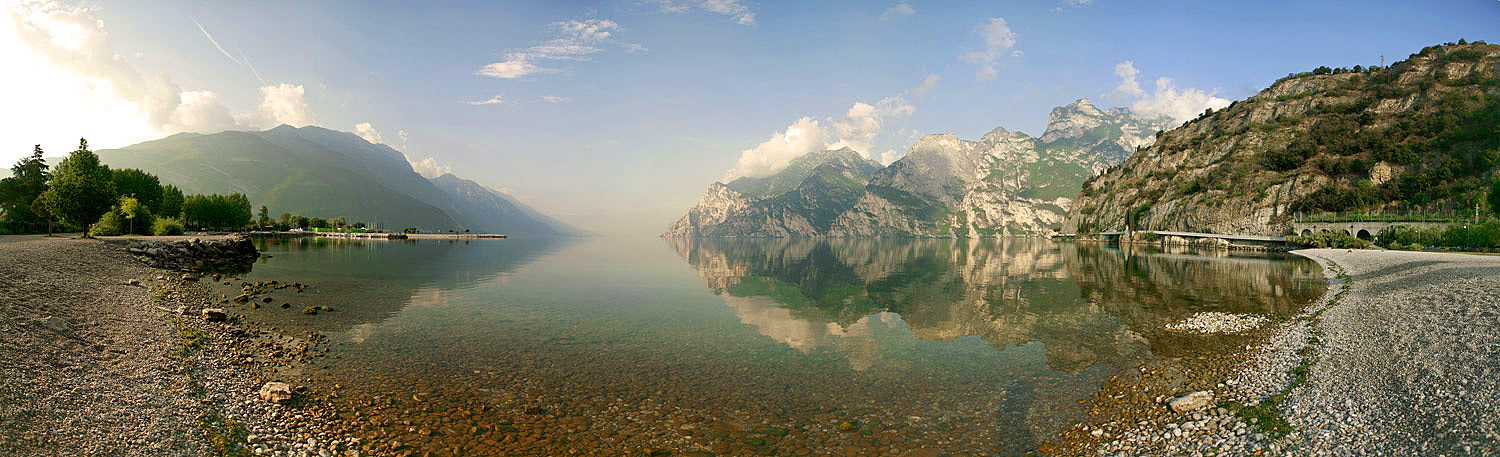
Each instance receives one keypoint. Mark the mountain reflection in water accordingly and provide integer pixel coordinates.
(1088, 304)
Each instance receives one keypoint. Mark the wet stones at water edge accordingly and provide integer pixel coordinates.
(276, 392)
(1192, 401)
(214, 315)
(235, 253)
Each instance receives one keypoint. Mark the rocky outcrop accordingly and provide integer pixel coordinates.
(231, 254)
(1006, 183)
(1410, 137)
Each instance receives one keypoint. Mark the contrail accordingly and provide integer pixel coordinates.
(248, 64)
(216, 43)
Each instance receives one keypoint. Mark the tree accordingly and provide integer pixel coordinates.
(139, 184)
(318, 222)
(285, 219)
(80, 190)
(1494, 196)
(18, 192)
(39, 207)
(301, 222)
(129, 207)
(264, 218)
(338, 222)
(217, 211)
(171, 201)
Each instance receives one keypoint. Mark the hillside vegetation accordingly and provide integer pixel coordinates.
(1420, 136)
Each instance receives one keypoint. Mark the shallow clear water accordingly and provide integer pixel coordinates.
(544, 344)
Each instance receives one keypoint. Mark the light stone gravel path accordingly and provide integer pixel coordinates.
(1410, 363)
(87, 361)
(89, 365)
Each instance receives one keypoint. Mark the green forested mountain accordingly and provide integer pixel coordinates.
(1420, 136)
(316, 172)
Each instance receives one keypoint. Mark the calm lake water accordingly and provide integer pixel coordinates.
(786, 347)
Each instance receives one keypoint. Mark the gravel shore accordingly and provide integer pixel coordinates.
(1410, 361)
(1399, 358)
(100, 359)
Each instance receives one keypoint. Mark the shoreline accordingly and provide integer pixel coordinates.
(108, 356)
(1357, 373)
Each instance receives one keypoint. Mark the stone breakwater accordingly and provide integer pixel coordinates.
(230, 254)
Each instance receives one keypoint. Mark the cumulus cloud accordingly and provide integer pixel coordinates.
(284, 104)
(402, 135)
(863, 123)
(574, 40)
(429, 167)
(497, 99)
(73, 76)
(803, 136)
(1181, 105)
(999, 41)
(859, 129)
(368, 132)
(898, 10)
(736, 11)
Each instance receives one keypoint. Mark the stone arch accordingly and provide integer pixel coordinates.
(1364, 235)
(1306, 232)
(1347, 232)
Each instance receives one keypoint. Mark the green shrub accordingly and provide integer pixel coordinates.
(1336, 240)
(166, 226)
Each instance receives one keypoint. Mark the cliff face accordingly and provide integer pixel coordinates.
(1007, 183)
(1418, 135)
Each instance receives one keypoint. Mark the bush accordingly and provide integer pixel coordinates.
(1336, 240)
(112, 224)
(166, 226)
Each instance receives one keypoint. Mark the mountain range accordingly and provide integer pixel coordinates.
(1419, 136)
(317, 172)
(1006, 183)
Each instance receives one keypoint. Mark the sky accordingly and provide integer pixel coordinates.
(617, 115)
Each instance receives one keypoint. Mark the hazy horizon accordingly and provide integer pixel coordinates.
(615, 116)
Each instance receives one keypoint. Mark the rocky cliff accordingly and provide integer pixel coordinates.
(1418, 136)
(1007, 183)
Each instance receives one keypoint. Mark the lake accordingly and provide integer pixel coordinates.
(740, 346)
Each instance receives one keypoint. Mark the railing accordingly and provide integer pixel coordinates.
(1385, 217)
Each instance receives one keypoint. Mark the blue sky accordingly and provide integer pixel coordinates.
(631, 108)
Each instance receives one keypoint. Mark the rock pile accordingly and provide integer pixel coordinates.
(233, 254)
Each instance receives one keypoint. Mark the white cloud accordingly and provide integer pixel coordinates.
(999, 40)
(863, 123)
(368, 132)
(284, 104)
(556, 99)
(1128, 87)
(1078, 3)
(737, 11)
(859, 129)
(402, 134)
(497, 99)
(1181, 105)
(575, 41)
(928, 84)
(75, 83)
(803, 136)
(898, 10)
(632, 48)
(429, 167)
(510, 69)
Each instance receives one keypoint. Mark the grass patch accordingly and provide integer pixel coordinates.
(190, 340)
(1268, 416)
(226, 436)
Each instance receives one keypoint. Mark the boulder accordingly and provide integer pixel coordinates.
(214, 314)
(276, 392)
(1192, 401)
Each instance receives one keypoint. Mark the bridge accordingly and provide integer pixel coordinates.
(1253, 240)
(1363, 230)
